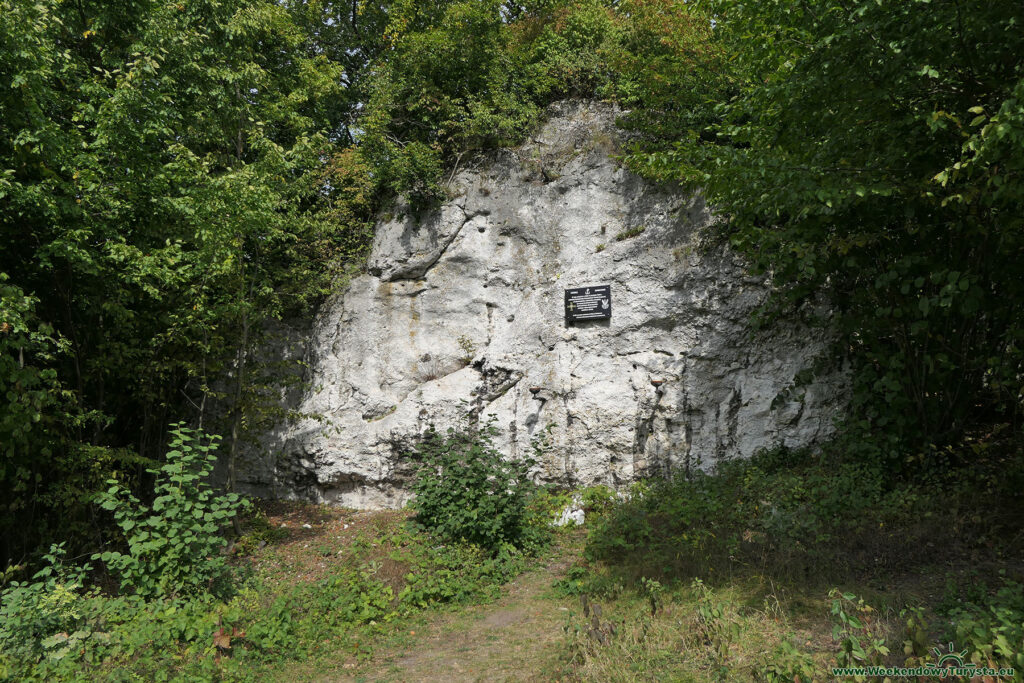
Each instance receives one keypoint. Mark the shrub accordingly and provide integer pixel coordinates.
(787, 664)
(465, 489)
(174, 546)
(993, 635)
(34, 614)
(861, 642)
(597, 500)
(681, 525)
(792, 513)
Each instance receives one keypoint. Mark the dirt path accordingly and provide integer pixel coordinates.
(515, 638)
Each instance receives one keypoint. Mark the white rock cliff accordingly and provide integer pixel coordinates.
(461, 312)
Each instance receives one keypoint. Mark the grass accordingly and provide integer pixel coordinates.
(675, 642)
(632, 232)
(735, 578)
(742, 629)
(317, 584)
(694, 632)
(747, 629)
(353, 596)
(516, 636)
(782, 567)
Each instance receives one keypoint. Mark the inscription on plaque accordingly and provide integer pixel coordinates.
(588, 303)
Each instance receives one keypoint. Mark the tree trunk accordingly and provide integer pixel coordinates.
(236, 412)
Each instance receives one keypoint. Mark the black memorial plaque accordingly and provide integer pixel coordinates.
(588, 303)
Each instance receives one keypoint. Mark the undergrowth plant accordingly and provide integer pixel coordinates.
(801, 515)
(54, 628)
(855, 629)
(34, 614)
(174, 545)
(992, 633)
(716, 625)
(465, 490)
(787, 664)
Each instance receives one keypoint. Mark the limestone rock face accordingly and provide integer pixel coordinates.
(461, 312)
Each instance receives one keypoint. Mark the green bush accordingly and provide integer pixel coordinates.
(988, 632)
(871, 174)
(795, 513)
(33, 614)
(993, 635)
(683, 518)
(860, 641)
(787, 664)
(465, 489)
(549, 501)
(52, 629)
(175, 545)
(597, 500)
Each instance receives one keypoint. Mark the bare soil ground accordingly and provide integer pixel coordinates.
(510, 640)
(515, 638)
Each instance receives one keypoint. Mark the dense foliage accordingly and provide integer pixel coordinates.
(699, 631)
(174, 177)
(163, 192)
(872, 151)
(361, 590)
(801, 515)
(467, 491)
(175, 546)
